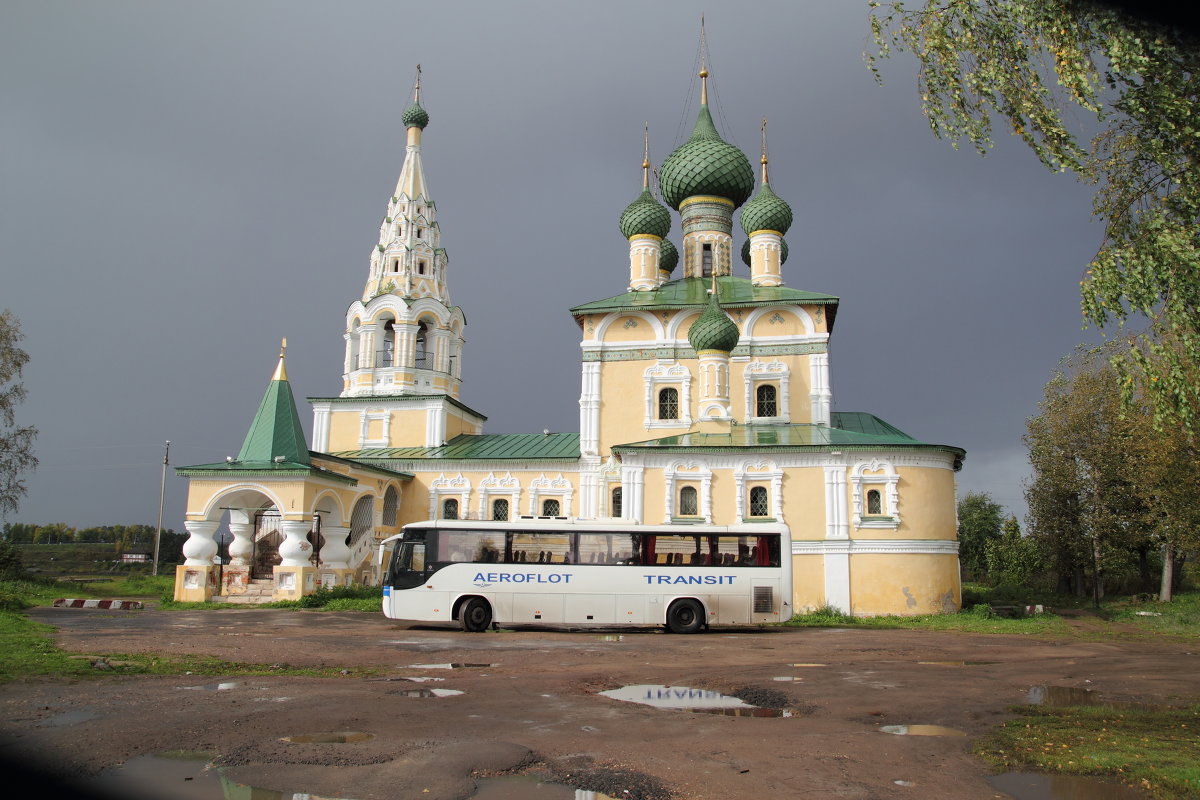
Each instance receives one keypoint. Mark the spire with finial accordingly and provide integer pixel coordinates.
(415, 116)
(766, 211)
(645, 216)
(275, 436)
(280, 369)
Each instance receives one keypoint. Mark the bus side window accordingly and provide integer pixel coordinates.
(418, 557)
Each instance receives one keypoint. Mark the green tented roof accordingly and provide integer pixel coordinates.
(735, 293)
(275, 432)
(848, 430)
(556, 446)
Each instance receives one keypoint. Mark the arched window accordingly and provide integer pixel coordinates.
(688, 504)
(766, 405)
(758, 502)
(450, 509)
(391, 502)
(500, 510)
(361, 519)
(550, 508)
(387, 345)
(616, 501)
(706, 260)
(422, 351)
(668, 403)
(874, 503)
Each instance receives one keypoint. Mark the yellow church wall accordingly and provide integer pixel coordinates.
(799, 386)
(904, 584)
(344, 429)
(623, 404)
(804, 502)
(808, 583)
(629, 329)
(791, 324)
(927, 507)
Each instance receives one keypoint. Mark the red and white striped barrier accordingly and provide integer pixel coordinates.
(118, 605)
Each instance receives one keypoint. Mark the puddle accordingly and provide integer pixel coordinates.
(611, 637)
(810, 665)
(921, 730)
(330, 737)
(688, 699)
(958, 663)
(786, 678)
(180, 776)
(450, 666)
(214, 687)
(519, 787)
(1060, 696)
(1034, 786)
(69, 718)
(424, 692)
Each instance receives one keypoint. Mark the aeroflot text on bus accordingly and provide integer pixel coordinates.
(565, 577)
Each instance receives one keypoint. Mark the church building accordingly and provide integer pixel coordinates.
(705, 399)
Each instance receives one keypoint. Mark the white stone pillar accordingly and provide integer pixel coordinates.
(200, 547)
(644, 252)
(241, 549)
(335, 553)
(295, 550)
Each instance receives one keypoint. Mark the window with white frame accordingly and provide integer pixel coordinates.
(450, 509)
(500, 509)
(766, 401)
(550, 508)
(668, 403)
(875, 495)
(616, 502)
(760, 505)
(689, 501)
(767, 385)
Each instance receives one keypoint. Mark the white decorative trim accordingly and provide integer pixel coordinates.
(506, 484)
(889, 479)
(686, 471)
(365, 418)
(835, 503)
(758, 472)
(655, 326)
(542, 486)
(820, 547)
(664, 376)
(441, 485)
(589, 409)
(633, 493)
(837, 580)
(759, 372)
(819, 395)
(754, 316)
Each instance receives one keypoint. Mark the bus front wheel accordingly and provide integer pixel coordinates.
(685, 616)
(476, 615)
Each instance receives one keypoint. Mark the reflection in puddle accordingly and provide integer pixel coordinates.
(611, 637)
(425, 692)
(1033, 786)
(921, 730)
(809, 665)
(520, 787)
(1060, 696)
(702, 700)
(450, 666)
(958, 663)
(330, 737)
(214, 687)
(786, 678)
(180, 776)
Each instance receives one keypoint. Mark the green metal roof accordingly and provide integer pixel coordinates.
(735, 293)
(275, 432)
(766, 211)
(285, 469)
(525, 446)
(668, 257)
(713, 330)
(414, 115)
(849, 430)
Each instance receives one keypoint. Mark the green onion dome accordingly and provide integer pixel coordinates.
(668, 257)
(415, 115)
(783, 252)
(645, 215)
(766, 212)
(706, 164)
(713, 330)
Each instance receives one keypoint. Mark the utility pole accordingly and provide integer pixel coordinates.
(162, 493)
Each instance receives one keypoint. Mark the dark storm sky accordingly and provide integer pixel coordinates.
(183, 184)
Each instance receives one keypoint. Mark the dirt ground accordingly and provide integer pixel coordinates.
(534, 706)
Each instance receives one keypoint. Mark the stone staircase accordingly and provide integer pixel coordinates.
(259, 590)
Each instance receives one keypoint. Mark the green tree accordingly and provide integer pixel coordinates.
(16, 442)
(1084, 507)
(1056, 73)
(1013, 559)
(979, 521)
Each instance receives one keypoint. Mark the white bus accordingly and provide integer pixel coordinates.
(560, 571)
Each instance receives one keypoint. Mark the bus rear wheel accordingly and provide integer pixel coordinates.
(685, 616)
(476, 615)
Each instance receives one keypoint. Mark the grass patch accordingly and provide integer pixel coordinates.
(338, 598)
(976, 620)
(1156, 749)
(27, 651)
(1180, 617)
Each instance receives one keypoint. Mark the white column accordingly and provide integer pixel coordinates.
(836, 526)
(589, 409)
(241, 549)
(837, 576)
(819, 395)
(200, 547)
(335, 554)
(644, 253)
(294, 550)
